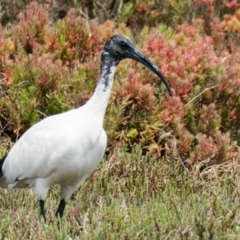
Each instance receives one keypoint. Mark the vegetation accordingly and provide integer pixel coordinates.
(171, 170)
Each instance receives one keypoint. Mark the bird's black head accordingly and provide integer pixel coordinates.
(119, 47)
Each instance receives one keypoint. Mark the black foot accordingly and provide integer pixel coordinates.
(42, 211)
(61, 207)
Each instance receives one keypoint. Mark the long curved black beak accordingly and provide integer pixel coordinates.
(138, 56)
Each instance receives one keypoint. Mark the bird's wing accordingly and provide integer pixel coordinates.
(29, 157)
(47, 144)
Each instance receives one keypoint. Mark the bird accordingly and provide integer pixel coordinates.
(64, 149)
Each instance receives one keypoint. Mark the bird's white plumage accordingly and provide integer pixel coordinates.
(61, 149)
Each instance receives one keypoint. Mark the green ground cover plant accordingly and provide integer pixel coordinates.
(171, 169)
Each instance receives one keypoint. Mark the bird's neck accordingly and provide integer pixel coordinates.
(99, 100)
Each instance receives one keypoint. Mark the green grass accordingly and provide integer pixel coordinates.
(131, 196)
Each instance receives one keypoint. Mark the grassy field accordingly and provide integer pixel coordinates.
(48, 67)
(131, 196)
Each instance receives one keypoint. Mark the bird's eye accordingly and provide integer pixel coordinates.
(123, 44)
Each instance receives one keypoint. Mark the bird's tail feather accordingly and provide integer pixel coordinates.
(3, 183)
(1, 164)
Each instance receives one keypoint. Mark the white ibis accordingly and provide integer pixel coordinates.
(64, 149)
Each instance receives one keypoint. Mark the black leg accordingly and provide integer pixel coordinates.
(42, 211)
(60, 209)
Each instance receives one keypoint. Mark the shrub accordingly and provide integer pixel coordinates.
(47, 68)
